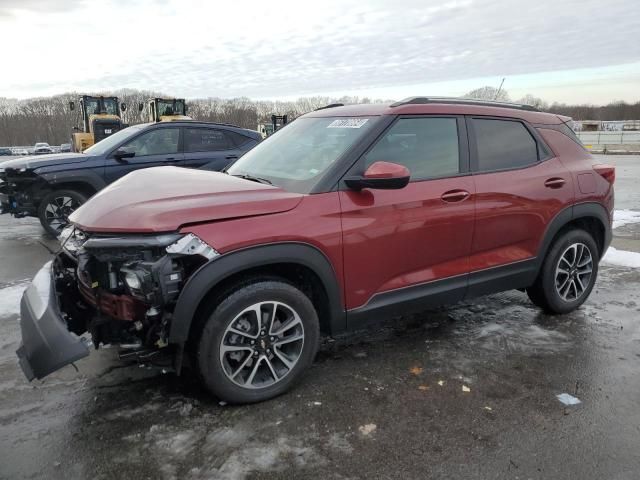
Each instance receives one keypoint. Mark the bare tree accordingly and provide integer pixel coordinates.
(488, 93)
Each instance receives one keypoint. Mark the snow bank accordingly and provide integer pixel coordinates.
(625, 217)
(10, 299)
(621, 258)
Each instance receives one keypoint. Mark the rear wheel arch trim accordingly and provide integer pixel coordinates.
(217, 270)
(574, 212)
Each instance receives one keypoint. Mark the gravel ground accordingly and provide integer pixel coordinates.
(467, 391)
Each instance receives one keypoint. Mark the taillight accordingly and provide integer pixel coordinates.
(608, 172)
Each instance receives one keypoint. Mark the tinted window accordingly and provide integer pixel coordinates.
(428, 147)
(206, 140)
(503, 144)
(237, 138)
(160, 141)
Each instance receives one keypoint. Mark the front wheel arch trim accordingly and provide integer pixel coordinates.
(217, 270)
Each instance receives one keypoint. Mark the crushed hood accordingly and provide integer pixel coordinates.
(162, 199)
(36, 161)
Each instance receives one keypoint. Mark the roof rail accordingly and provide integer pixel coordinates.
(331, 105)
(463, 101)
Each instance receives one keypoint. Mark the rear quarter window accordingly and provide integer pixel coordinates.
(503, 144)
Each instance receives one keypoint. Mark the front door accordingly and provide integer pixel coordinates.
(152, 148)
(406, 247)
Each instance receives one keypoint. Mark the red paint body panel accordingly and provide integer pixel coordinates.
(397, 238)
(315, 220)
(513, 209)
(162, 199)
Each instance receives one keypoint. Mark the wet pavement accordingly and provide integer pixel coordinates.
(467, 391)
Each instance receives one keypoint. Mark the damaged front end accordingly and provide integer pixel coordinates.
(121, 290)
(20, 191)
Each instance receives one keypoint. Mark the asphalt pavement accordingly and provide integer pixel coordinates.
(467, 391)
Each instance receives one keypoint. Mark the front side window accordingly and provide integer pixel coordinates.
(103, 146)
(160, 141)
(206, 140)
(297, 156)
(428, 147)
(503, 144)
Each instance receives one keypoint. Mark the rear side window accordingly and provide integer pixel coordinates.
(503, 144)
(237, 138)
(428, 147)
(206, 140)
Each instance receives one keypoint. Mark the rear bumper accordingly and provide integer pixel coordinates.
(46, 345)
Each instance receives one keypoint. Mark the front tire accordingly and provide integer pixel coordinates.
(257, 342)
(55, 208)
(568, 273)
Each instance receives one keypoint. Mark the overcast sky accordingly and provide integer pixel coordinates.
(561, 50)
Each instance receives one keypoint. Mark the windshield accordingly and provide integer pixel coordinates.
(103, 146)
(110, 106)
(296, 157)
(167, 107)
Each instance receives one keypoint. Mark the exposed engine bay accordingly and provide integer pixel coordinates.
(123, 289)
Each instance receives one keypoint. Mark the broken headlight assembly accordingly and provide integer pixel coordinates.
(71, 239)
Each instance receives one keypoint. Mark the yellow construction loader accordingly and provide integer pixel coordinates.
(166, 109)
(100, 118)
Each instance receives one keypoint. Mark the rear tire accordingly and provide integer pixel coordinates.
(568, 273)
(257, 342)
(55, 208)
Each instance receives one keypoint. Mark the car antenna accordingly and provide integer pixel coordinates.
(499, 88)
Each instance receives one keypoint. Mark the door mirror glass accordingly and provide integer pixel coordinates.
(381, 175)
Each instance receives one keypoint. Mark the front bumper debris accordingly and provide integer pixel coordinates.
(46, 345)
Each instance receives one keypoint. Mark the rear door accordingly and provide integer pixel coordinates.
(209, 148)
(156, 147)
(520, 187)
(418, 236)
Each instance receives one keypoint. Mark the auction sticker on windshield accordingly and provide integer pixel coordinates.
(348, 123)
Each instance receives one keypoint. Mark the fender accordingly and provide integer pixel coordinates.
(215, 271)
(574, 212)
(76, 176)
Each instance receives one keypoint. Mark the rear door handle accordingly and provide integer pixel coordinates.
(231, 157)
(453, 196)
(555, 182)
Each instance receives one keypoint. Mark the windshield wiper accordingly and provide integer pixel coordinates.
(252, 178)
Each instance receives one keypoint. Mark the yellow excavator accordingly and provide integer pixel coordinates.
(166, 109)
(100, 118)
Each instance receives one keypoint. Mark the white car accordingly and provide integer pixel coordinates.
(41, 148)
(20, 151)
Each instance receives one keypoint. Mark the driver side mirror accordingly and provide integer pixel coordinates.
(382, 176)
(72, 106)
(140, 107)
(124, 152)
(123, 107)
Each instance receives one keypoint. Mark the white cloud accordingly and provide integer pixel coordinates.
(262, 49)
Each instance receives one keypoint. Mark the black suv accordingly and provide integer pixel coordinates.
(51, 187)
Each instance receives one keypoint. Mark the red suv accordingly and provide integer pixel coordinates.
(348, 215)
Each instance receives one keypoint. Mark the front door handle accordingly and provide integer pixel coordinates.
(453, 196)
(231, 157)
(555, 182)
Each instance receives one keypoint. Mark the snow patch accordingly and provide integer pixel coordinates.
(10, 299)
(625, 217)
(621, 258)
